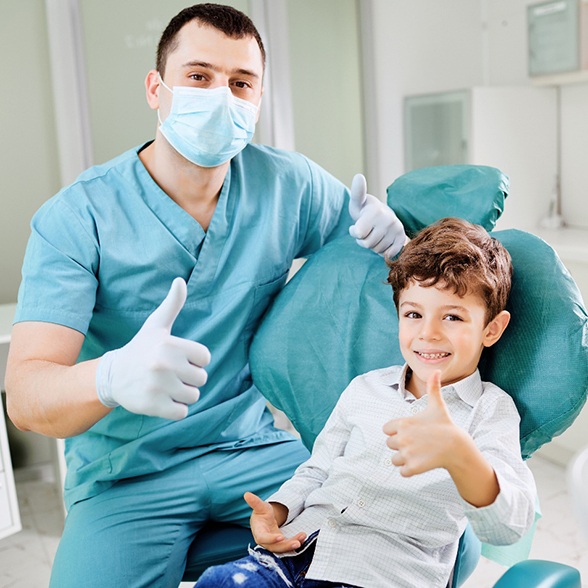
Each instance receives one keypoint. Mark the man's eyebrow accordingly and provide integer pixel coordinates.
(206, 65)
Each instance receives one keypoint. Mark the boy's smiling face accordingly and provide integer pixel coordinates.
(439, 330)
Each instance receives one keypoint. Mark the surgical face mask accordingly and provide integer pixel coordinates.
(208, 127)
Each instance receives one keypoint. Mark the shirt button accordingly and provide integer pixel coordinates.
(414, 409)
(331, 523)
(360, 502)
(388, 461)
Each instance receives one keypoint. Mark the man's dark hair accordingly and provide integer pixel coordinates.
(230, 21)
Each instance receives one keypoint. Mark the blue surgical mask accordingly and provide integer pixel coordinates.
(208, 126)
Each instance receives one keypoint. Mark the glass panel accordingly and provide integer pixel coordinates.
(436, 130)
(553, 37)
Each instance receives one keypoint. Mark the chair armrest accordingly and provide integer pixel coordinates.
(535, 573)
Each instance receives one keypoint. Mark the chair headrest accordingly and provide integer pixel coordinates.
(473, 192)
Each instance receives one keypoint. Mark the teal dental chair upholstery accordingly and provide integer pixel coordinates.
(336, 319)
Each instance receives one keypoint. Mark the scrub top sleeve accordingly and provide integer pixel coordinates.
(326, 212)
(59, 269)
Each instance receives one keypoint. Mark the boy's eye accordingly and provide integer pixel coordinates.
(452, 317)
(412, 315)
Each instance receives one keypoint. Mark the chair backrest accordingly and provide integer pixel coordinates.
(335, 319)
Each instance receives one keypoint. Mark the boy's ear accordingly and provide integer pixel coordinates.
(495, 328)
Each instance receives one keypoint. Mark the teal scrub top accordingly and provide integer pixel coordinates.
(102, 255)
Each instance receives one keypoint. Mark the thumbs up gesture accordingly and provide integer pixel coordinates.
(424, 442)
(155, 374)
(376, 226)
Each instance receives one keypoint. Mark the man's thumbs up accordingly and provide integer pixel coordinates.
(155, 374)
(164, 316)
(376, 226)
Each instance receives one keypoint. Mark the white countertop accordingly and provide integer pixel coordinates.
(570, 243)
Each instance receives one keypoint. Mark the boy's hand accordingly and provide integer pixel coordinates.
(265, 528)
(424, 442)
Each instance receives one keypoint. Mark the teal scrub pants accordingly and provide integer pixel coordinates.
(138, 532)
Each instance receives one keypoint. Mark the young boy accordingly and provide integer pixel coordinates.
(410, 453)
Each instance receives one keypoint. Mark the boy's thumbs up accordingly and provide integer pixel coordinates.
(421, 441)
(436, 405)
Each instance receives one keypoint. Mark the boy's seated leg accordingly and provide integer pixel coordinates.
(246, 572)
(265, 570)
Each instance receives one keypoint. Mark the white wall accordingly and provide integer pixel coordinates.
(420, 46)
(574, 154)
(29, 169)
(424, 46)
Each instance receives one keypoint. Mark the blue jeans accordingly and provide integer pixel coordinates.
(262, 569)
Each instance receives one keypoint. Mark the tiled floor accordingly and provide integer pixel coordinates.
(25, 558)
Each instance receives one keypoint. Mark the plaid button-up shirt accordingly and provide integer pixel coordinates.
(379, 529)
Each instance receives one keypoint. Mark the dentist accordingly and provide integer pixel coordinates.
(143, 284)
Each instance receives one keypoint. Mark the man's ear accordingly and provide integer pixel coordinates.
(496, 327)
(152, 88)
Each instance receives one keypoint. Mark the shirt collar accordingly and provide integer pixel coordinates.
(469, 389)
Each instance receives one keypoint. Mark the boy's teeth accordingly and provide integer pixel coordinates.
(433, 355)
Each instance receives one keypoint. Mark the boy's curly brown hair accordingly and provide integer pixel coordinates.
(458, 255)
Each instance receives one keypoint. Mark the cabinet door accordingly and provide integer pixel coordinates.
(9, 514)
(436, 129)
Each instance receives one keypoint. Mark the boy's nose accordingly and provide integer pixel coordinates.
(429, 332)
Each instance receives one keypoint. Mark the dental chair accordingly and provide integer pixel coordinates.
(336, 319)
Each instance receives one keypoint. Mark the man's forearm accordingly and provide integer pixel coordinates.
(52, 399)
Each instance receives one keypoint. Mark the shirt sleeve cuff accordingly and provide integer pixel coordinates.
(292, 502)
(505, 520)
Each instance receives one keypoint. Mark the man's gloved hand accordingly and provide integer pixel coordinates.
(155, 374)
(376, 226)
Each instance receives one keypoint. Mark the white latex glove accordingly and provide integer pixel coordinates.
(376, 226)
(155, 373)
